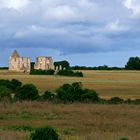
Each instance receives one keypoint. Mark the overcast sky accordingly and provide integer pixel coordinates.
(84, 32)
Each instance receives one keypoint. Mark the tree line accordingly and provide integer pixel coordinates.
(132, 64)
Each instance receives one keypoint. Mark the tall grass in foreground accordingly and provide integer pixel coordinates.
(73, 121)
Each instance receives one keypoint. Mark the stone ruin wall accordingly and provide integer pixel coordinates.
(23, 64)
(19, 64)
(44, 63)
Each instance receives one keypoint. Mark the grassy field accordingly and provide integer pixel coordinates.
(73, 122)
(76, 121)
(125, 84)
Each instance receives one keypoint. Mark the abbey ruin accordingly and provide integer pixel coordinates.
(19, 64)
(23, 64)
(44, 63)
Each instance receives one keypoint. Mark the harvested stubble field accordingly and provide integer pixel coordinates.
(72, 121)
(125, 84)
(76, 121)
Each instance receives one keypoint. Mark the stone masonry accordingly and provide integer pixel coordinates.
(44, 63)
(23, 64)
(19, 64)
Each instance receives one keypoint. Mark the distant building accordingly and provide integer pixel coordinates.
(44, 63)
(23, 64)
(19, 64)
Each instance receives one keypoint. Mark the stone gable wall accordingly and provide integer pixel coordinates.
(19, 64)
(23, 64)
(44, 63)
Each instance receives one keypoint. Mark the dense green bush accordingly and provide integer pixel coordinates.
(123, 138)
(42, 72)
(5, 93)
(48, 96)
(13, 84)
(90, 95)
(6, 83)
(70, 73)
(78, 74)
(115, 100)
(64, 92)
(27, 92)
(45, 133)
(136, 101)
(16, 84)
(75, 92)
(69, 92)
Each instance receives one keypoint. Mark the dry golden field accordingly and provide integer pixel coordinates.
(76, 121)
(72, 121)
(125, 84)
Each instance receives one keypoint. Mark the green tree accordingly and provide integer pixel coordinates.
(63, 64)
(48, 96)
(6, 83)
(69, 72)
(133, 63)
(5, 93)
(16, 84)
(90, 95)
(27, 92)
(74, 92)
(45, 133)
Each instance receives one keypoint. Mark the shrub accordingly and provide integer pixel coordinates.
(27, 92)
(42, 72)
(74, 92)
(115, 100)
(5, 92)
(69, 92)
(13, 84)
(6, 83)
(128, 101)
(48, 96)
(123, 138)
(69, 72)
(136, 101)
(78, 74)
(46, 133)
(16, 84)
(90, 95)
(64, 92)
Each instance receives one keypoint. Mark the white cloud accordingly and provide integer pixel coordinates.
(134, 6)
(63, 12)
(116, 26)
(14, 4)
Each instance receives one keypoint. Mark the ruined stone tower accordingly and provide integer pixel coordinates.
(44, 63)
(19, 64)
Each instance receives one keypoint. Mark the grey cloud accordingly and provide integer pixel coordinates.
(81, 26)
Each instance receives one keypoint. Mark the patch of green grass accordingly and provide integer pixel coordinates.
(51, 116)
(20, 128)
(6, 116)
(28, 115)
(69, 131)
